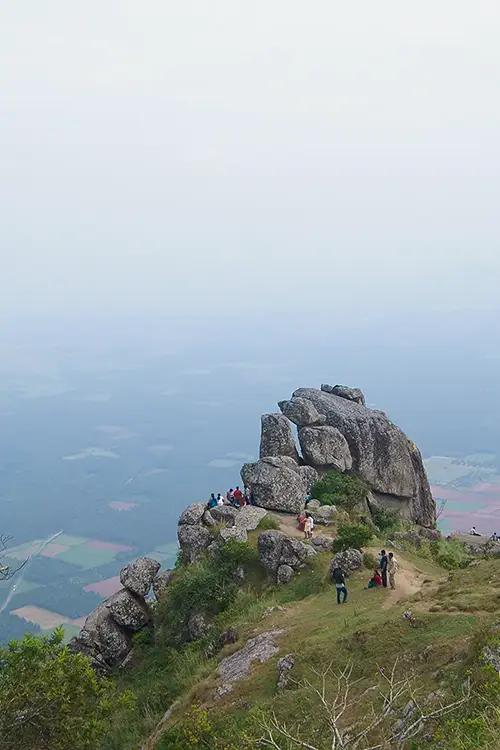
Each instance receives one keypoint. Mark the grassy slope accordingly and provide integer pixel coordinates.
(369, 630)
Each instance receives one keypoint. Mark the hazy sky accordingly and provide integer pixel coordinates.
(187, 155)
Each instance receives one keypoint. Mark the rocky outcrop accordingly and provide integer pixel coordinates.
(106, 637)
(344, 391)
(237, 667)
(322, 543)
(285, 666)
(278, 483)
(278, 552)
(192, 514)
(139, 575)
(301, 412)
(249, 517)
(325, 448)
(381, 454)
(276, 437)
(338, 431)
(194, 540)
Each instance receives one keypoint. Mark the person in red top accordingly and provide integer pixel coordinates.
(239, 497)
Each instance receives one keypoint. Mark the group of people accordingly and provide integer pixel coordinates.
(493, 538)
(305, 523)
(383, 576)
(235, 497)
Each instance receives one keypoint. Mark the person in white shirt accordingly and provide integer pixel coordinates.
(473, 532)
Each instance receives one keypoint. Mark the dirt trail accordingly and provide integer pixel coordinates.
(288, 525)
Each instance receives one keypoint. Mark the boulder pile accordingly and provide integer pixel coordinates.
(336, 430)
(283, 556)
(106, 637)
(201, 530)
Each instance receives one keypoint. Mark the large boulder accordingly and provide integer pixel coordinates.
(128, 610)
(349, 561)
(344, 391)
(238, 533)
(301, 412)
(324, 515)
(193, 540)
(276, 437)
(192, 514)
(284, 574)
(278, 483)
(381, 453)
(102, 639)
(138, 576)
(237, 666)
(325, 447)
(276, 549)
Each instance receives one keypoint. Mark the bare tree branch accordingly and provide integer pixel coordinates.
(6, 570)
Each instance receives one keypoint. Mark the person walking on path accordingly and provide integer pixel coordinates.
(392, 569)
(383, 567)
(339, 581)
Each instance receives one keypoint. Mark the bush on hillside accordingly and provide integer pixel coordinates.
(343, 490)
(352, 535)
(268, 522)
(201, 730)
(385, 519)
(207, 586)
(370, 561)
(51, 697)
(450, 553)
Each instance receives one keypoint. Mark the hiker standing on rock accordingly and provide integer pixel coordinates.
(339, 580)
(383, 567)
(308, 526)
(392, 569)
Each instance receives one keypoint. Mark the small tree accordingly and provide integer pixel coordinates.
(6, 570)
(51, 698)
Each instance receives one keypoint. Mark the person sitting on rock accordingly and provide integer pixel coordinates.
(220, 499)
(308, 526)
(230, 496)
(212, 502)
(375, 580)
(473, 532)
(494, 537)
(338, 579)
(238, 497)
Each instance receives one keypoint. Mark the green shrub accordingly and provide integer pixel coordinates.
(355, 535)
(268, 522)
(207, 586)
(51, 697)
(344, 490)
(385, 519)
(370, 561)
(203, 730)
(450, 554)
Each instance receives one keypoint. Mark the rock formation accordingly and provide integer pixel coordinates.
(237, 667)
(276, 437)
(283, 556)
(106, 637)
(337, 431)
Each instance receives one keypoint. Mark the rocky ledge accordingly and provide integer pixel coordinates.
(336, 430)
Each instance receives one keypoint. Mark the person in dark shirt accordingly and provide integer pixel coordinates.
(339, 580)
(383, 567)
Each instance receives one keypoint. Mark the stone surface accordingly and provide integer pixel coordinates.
(193, 540)
(237, 667)
(128, 610)
(161, 583)
(277, 483)
(138, 576)
(284, 574)
(238, 533)
(224, 514)
(295, 553)
(301, 412)
(285, 666)
(249, 517)
(322, 543)
(344, 391)
(349, 561)
(193, 513)
(323, 515)
(325, 447)
(208, 519)
(101, 639)
(491, 655)
(432, 535)
(276, 437)
(381, 453)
